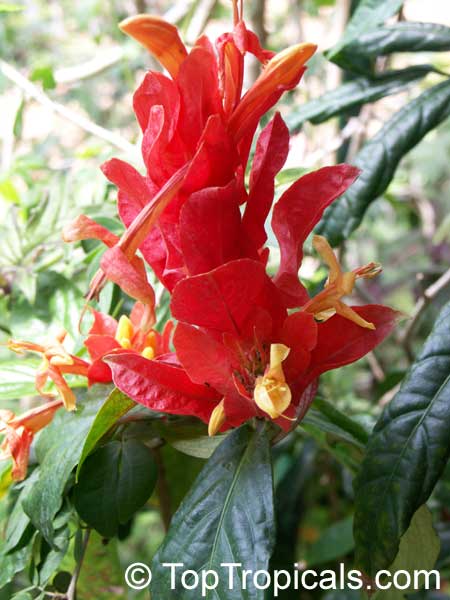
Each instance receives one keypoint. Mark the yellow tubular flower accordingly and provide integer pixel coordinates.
(125, 332)
(216, 420)
(272, 394)
(328, 301)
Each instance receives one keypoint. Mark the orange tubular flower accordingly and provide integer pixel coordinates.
(56, 362)
(19, 433)
(328, 302)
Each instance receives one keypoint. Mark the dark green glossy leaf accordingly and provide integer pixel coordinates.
(418, 551)
(406, 454)
(355, 93)
(404, 36)
(114, 483)
(227, 517)
(58, 450)
(379, 158)
(368, 15)
(290, 504)
(116, 405)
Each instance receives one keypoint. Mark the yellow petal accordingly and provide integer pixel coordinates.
(347, 312)
(217, 419)
(278, 352)
(159, 37)
(323, 248)
(272, 397)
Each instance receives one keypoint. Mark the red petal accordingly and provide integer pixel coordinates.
(300, 335)
(130, 276)
(99, 372)
(294, 216)
(205, 360)
(215, 160)
(84, 228)
(210, 224)
(341, 342)
(198, 82)
(99, 345)
(18, 442)
(103, 324)
(238, 409)
(129, 181)
(271, 152)
(221, 299)
(161, 386)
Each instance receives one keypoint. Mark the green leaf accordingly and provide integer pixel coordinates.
(368, 15)
(18, 520)
(45, 75)
(58, 451)
(418, 551)
(13, 563)
(379, 158)
(228, 516)
(298, 470)
(115, 482)
(54, 558)
(17, 378)
(328, 418)
(355, 93)
(335, 542)
(117, 404)
(9, 191)
(404, 36)
(406, 453)
(191, 439)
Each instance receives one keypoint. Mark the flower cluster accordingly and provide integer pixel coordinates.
(246, 344)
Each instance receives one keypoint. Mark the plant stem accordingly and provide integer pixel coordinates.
(72, 589)
(163, 490)
(428, 296)
(34, 92)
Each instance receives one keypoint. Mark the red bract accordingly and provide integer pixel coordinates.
(239, 352)
(239, 345)
(197, 130)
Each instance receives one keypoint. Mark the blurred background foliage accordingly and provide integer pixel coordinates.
(67, 75)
